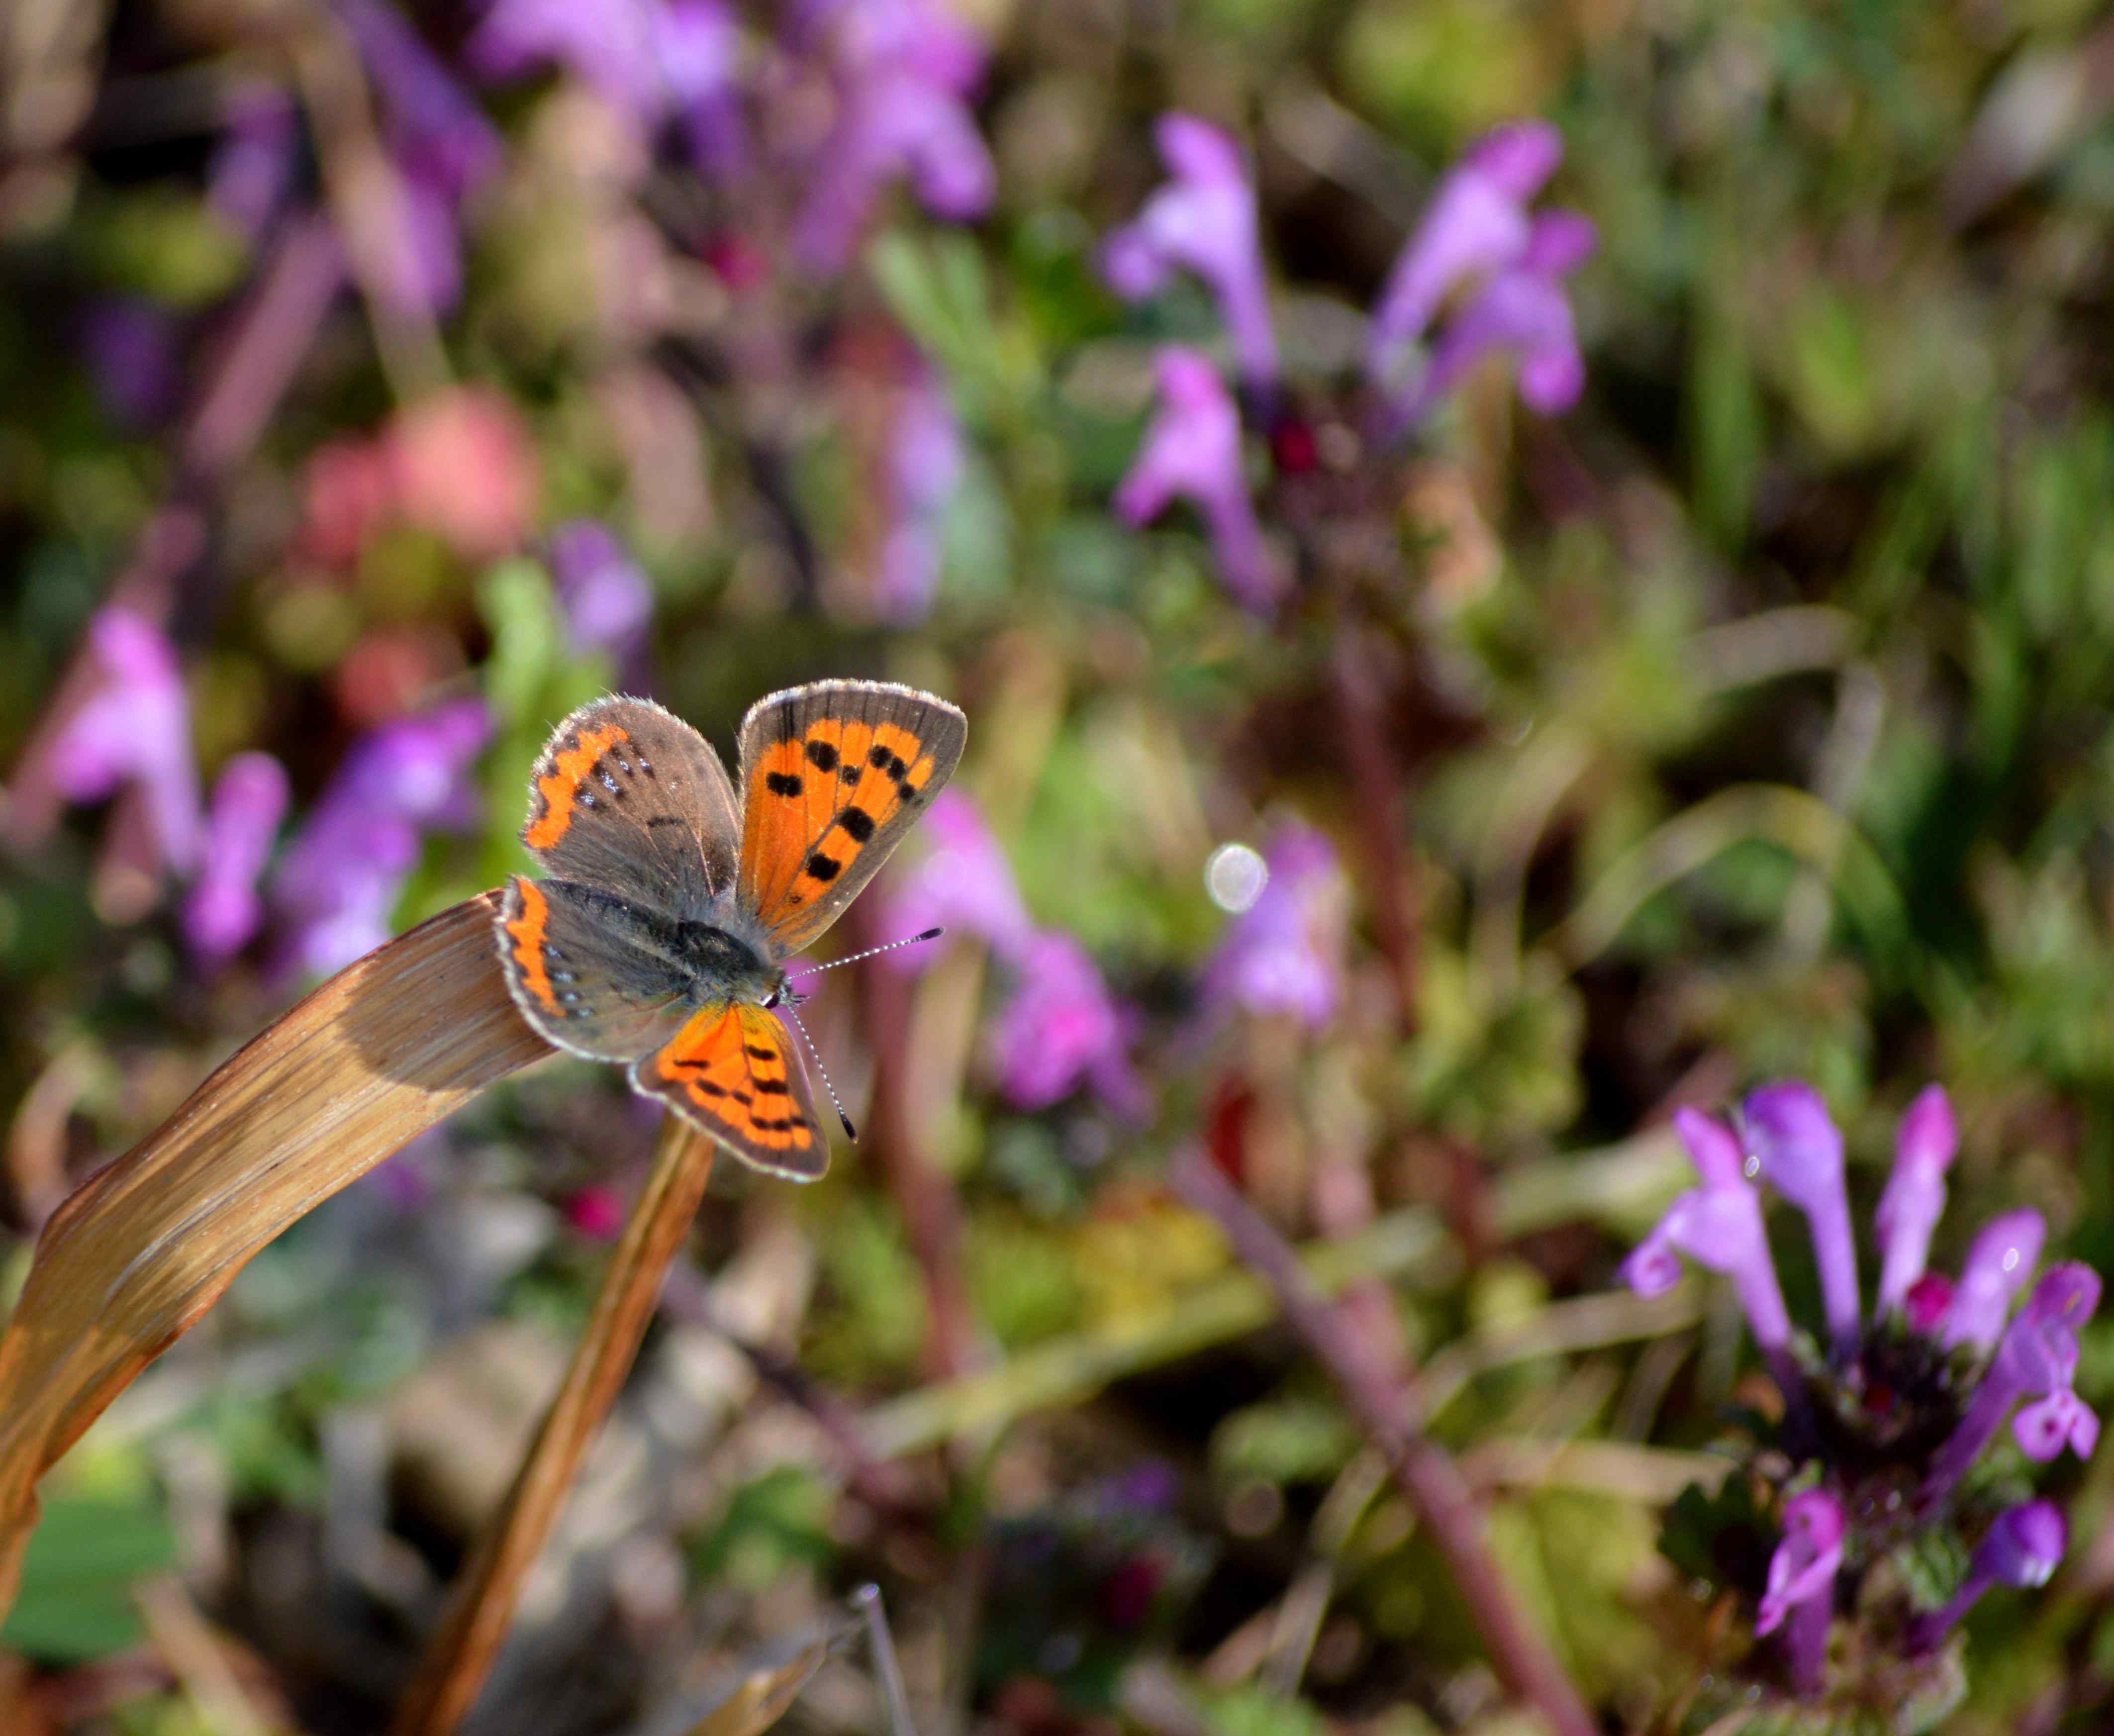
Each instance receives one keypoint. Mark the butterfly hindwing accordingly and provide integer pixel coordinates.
(580, 982)
(732, 1071)
(832, 775)
(628, 797)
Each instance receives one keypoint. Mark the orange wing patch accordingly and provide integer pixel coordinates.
(526, 934)
(820, 800)
(730, 1071)
(558, 789)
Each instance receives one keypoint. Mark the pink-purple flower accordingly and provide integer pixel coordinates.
(2022, 1548)
(605, 599)
(924, 469)
(442, 146)
(960, 881)
(653, 62)
(1204, 221)
(1062, 1028)
(223, 911)
(902, 72)
(338, 881)
(1878, 1437)
(1192, 451)
(1799, 1153)
(1479, 235)
(1284, 954)
(135, 729)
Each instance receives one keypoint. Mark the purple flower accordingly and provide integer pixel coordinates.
(252, 166)
(223, 910)
(651, 62)
(1477, 229)
(2023, 1548)
(134, 728)
(925, 467)
(135, 355)
(2037, 1357)
(606, 601)
(1789, 1134)
(1063, 1027)
(1192, 449)
(963, 882)
(2000, 1260)
(1204, 220)
(339, 881)
(903, 71)
(1284, 953)
(1915, 1197)
(1719, 1226)
(442, 145)
(1802, 1583)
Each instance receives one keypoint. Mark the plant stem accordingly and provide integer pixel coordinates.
(462, 1653)
(1422, 1469)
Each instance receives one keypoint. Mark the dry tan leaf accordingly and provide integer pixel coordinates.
(384, 1048)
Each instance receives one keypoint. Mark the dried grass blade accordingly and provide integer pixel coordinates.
(460, 1656)
(384, 1048)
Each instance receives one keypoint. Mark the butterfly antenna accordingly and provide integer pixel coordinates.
(929, 934)
(867, 1599)
(851, 1132)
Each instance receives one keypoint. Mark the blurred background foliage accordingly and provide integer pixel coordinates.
(1749, 718)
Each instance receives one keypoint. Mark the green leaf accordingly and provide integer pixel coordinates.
(78, 1575)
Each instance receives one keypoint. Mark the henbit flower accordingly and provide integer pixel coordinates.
(2022, 1549)
(961, 883)
(339, 880)
(1204, 220)
(2000, 1260)
(651, 63)
(1063, 1027)
(1192, 449)
(1719, 1226)
(223, 910)
(2037, 1358)
(441, 143)
(607, 600)
(1284, 953)
(1803, 1565)
(1789, 1134)
(253, 168)
(134, 728)
(924, 469)
(903, 70)
(1915, 1197)
(1521, 312)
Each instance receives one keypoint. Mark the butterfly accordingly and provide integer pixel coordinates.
(660, 936)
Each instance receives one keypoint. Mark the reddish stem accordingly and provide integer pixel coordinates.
(1422, 1469)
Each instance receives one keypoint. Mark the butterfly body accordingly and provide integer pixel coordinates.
(659, 938)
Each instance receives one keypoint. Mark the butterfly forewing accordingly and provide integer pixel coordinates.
(733, 1070)
(628, 797)
(832, 775)
(580, 983)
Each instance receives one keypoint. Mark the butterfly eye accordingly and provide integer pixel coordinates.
(772, 1001)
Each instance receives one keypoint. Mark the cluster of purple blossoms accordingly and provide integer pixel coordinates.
(604, 597)
(1063, 1027)
(1478, 248)
(1881, 1426)
(133, 733)
(340, 879)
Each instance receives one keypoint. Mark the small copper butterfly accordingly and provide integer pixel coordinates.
(659, 938)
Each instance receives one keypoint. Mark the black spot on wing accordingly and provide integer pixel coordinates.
(821, 867)
(859, 822)
(782, 783)
(822, 756)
